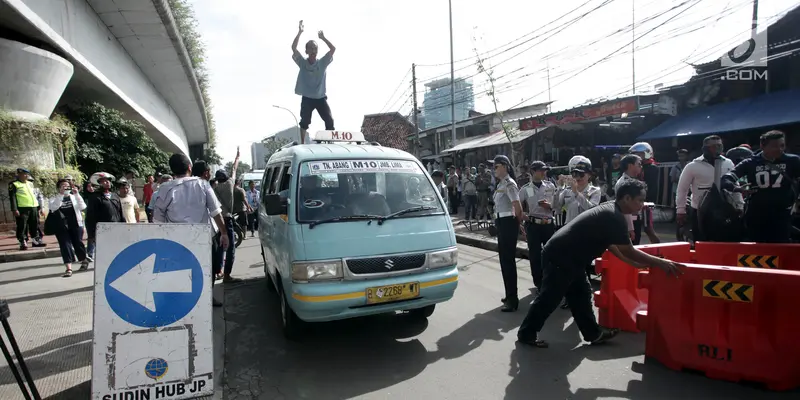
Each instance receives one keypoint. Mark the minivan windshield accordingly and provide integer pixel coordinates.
(343, 189)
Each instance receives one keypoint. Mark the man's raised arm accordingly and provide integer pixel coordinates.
(295, 52)
(235, 165)
(331, 47)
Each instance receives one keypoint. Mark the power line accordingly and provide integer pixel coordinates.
(608, 57)
(395, 90)
(551, 56)
(509, 43)
(617, 32)
(562, 28)
(696, 2)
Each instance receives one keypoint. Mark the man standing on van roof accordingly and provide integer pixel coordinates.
(311, 82)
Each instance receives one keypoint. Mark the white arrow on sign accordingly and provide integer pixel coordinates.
(140, 282)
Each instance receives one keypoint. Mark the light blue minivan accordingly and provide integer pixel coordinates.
(350, 228)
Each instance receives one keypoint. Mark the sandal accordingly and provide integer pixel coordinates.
(67, 274)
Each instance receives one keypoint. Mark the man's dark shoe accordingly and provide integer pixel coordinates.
(216, 303)
(510, 305)
(605, 335)
(230, 279)
(23, 246)
(534, 341)
(39, 244)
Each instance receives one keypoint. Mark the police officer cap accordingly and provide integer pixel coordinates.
(23, 171)
(501, 159)
(537, 165)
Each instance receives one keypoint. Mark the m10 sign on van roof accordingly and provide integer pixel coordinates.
(338, 136)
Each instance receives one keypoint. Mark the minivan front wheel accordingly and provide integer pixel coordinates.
(292, 324)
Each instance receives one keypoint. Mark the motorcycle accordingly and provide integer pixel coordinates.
(239, 230)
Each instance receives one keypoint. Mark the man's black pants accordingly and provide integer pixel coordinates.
(774, 226)
(538, 235)
(308, 105)
(27, 222)
(562, 280)
(507, 235)
(252, 222)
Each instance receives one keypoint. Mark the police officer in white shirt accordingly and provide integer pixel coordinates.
(578, 194)
(508, 220)
(538, 197)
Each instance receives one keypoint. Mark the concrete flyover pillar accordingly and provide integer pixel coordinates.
(32, 81)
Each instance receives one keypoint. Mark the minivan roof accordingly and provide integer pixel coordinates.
(323, 151)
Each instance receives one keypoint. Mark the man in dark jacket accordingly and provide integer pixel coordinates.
(102, 207)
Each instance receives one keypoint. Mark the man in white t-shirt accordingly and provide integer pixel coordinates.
(130, 207)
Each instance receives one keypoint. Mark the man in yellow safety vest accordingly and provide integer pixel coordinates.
(25, 206)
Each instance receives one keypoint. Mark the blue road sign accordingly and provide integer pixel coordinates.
(153, 283)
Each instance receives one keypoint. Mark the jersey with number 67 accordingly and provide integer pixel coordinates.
(773, 182)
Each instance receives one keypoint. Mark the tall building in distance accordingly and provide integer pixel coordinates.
(259, 151)
(436, 103)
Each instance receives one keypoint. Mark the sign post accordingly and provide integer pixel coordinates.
(153, 336)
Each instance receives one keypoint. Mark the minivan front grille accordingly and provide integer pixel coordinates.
(380, 265)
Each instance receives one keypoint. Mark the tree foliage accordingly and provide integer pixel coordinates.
(240, 170)
(272, 145)
(211, 156)
(187, 25)
(108, 142)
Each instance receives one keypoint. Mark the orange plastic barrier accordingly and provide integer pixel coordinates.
(619, 297)
(751, 255)
(735, 324)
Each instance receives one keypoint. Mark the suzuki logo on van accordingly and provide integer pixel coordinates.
(389, 264)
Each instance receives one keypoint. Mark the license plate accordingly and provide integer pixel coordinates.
(383, 294)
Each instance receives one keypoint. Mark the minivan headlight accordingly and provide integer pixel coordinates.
(441, 259)
(313, 271)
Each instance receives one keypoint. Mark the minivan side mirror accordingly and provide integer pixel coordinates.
(275, 205)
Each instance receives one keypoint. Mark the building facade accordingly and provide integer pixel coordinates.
(259, 151)
(436, 102)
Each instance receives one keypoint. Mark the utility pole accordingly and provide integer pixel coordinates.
(549, 95)
(452, 78)
(633, 45)
(414, 108)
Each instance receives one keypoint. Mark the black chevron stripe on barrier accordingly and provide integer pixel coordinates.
(729, 291)
(758, 261)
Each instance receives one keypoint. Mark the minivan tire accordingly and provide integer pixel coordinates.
(422, 313)
(293, 326)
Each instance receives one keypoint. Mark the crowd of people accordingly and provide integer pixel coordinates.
(189, 194)
(740, 195)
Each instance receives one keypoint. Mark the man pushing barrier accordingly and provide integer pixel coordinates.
(311, 82)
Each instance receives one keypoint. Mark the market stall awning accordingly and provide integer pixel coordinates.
(772, 109)
(493, 139)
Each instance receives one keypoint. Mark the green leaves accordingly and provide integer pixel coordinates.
(240, 170)
(109, 142)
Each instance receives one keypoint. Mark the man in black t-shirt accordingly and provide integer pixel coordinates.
(566, 254)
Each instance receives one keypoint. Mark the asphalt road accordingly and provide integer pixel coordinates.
(466, 350)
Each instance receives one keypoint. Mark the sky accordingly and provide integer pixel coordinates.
(587, 53)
